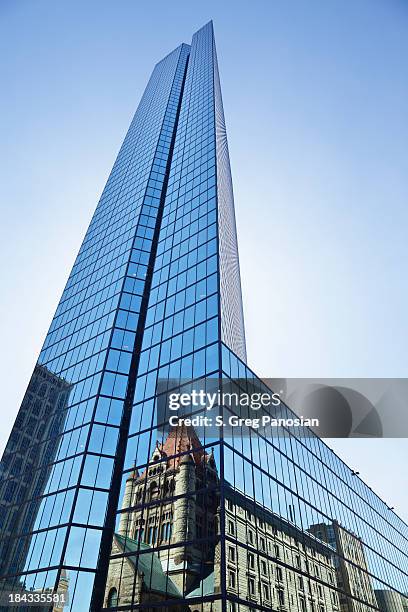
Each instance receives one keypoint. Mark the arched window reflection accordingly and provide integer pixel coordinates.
(113, 598)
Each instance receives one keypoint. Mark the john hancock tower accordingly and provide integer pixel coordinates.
(100, 504)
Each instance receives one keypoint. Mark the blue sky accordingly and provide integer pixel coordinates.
(315, 96)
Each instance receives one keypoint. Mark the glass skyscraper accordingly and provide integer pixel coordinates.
(97, 500)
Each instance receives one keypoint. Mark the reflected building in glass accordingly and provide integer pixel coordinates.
(97, 499)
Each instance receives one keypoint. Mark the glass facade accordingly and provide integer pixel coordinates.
(100, 503)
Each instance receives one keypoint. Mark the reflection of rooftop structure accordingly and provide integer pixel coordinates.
(150, 576)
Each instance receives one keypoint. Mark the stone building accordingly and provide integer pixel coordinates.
(25, 468)
(351, 567)
(273, 563)
(168, 545)
(174, 501)
(269, 561)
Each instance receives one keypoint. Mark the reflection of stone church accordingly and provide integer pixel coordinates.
(168, 514)
(166, 547)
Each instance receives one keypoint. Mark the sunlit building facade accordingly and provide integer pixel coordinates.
(127, 515)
